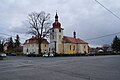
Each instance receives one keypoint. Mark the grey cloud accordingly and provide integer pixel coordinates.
(86, 17)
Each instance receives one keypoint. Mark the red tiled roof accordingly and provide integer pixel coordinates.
(73, 40)
(56, 24)
(35, 40)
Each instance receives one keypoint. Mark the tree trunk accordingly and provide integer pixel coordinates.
(39, 46)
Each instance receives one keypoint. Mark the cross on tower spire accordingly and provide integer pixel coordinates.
(56, 16)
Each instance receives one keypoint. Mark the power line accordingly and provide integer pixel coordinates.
(103, 36)
(85, 39)
(9, 35)
(113, 15)
(108, 9)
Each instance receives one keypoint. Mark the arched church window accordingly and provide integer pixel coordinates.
(70, 47)
(53, 30)
(59, 30)
(74, 47)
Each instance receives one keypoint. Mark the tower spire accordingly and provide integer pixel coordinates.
(74, 34)
(56, 16)
(56, 24)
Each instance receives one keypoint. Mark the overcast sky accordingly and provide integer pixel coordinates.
(86, 17)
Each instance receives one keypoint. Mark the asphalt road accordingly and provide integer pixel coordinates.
(60, 68)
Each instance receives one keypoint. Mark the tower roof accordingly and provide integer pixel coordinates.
(56, 24)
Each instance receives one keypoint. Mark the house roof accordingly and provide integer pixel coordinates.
(73, 40)
(34, 39)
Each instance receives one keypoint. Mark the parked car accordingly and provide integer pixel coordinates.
(3, 55)
(31, 54)
(46, 55)
(51, 54)
(11, 54)
(89, 54)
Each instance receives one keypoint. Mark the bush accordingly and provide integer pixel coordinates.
(107, 53)
(68, 55)
(19, 53)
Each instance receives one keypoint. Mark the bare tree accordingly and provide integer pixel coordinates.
(39, 25)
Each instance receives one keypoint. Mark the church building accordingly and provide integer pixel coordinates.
(64, 44)
(59, 43)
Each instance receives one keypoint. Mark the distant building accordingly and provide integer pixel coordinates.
(109, 49)
(18, 49)
(8, 49)
(31, 46)
(101, 50)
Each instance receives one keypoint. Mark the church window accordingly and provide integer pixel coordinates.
(84, 46)
(74, 47)
(59, 36)
(59, 30)
(70, 47)
(53, 30)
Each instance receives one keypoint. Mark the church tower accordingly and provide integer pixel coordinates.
(56, 35)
